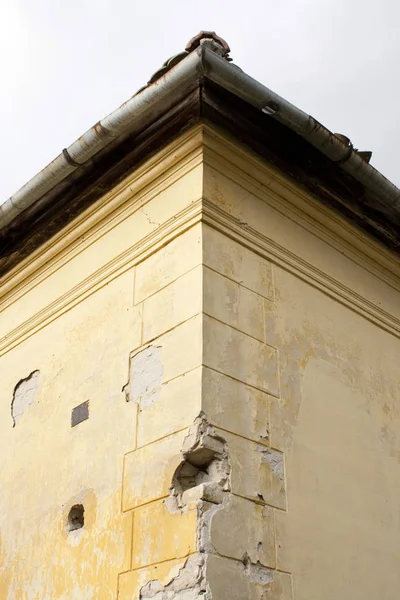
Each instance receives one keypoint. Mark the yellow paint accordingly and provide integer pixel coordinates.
(271, 315)
(160, 536)
(74, 318)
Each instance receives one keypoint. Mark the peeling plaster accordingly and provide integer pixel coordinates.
(189, 584)
(203, 479)
(259, 574)
(24, 395)
(145, 377)
(275, 460)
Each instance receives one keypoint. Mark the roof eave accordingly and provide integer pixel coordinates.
(248, 89)
(156, 99)
(134, 115)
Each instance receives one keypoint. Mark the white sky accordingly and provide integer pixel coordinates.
(64, 65)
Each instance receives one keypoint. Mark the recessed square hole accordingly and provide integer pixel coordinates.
(80, 413)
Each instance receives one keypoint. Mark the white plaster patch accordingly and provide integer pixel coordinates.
(145, 377)
(259, 574)
(24, 394)
(187, 584)
(275, 460)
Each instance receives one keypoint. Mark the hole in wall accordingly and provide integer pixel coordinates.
(76, 517)
(201, 466)
(188, 476)
(204, 471)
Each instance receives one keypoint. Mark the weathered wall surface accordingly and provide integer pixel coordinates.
(48, 466)
(333, 322)
(81, 323)
(232, 351)
(340, 386)
(210, 490)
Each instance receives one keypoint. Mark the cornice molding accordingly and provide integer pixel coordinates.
(270, 250)
(157, 174)
(146, 182)
(208, 213)
(243, 167)
(153, 242)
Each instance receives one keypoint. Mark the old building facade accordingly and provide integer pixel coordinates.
(199, 353)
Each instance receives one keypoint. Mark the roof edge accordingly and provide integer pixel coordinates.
(134, 115)
(330, 144)
(169, 85)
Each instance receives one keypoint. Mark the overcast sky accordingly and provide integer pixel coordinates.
(64, 65)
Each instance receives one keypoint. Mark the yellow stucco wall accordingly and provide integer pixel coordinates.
(75, 312)
(255, 335)
(334, 321)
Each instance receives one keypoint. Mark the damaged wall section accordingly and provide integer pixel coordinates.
(189, 584)
(145, 377)
(24, 395)
(236, 531)
(204, 473)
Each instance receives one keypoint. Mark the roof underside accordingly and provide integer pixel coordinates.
(199, 84)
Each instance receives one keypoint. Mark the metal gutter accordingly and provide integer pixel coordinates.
(259, 96)
(135, 114)
(208, 59)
